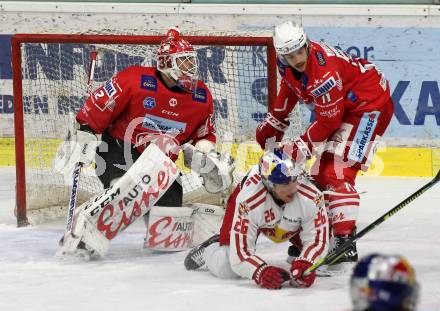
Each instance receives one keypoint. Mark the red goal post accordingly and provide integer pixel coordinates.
(26, 141)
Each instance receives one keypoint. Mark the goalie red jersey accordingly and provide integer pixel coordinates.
(136, 106)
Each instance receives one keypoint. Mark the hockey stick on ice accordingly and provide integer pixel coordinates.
(338, 253)
(79, 165)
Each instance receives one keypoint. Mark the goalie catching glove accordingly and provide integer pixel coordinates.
(215, 170)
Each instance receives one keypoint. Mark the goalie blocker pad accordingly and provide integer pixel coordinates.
(100, 219)
(181, 228)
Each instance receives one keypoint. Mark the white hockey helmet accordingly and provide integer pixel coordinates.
(288, 37)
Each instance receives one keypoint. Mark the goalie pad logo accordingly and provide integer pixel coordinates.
(123, 209)
(170, 228)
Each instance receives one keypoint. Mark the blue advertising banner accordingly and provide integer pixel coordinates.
(408, 57)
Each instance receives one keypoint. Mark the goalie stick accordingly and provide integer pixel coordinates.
(78, 166)
(338, 253)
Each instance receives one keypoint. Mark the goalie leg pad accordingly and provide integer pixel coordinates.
(179, 228)
(84, 239)
(207, 221)
(169, 229)
(103, 217)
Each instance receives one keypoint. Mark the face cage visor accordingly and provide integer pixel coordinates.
(185, 70)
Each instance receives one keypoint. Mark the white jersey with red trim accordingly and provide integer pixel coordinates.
(257, 212)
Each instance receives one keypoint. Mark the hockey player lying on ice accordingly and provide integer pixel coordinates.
(277, 200)
(166, 106)
(351, 101)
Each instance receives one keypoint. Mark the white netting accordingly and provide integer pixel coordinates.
(55, 82)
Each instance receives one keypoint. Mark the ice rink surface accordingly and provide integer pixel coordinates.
(128, 278)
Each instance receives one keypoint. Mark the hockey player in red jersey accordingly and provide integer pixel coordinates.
(276, 200)
(166, 105)
(351, 101)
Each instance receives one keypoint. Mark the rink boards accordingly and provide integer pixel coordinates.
(389, 161)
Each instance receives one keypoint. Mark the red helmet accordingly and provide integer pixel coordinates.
(177, 59)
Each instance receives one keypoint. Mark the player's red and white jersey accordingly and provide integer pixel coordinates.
(136, 106)
(256, 212)
(334, 85)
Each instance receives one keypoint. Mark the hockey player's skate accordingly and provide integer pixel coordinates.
(345, 264)
(195, 260)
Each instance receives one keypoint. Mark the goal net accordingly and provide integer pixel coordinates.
(50, 81)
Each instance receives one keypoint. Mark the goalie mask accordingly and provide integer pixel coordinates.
(177, 59)
(288, 38)
(277, 168)
(383, 283)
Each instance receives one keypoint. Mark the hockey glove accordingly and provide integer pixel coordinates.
(87, 144)
(79, 146)
(298, 150)
(270, 127)
(270, 277)
(297, 272)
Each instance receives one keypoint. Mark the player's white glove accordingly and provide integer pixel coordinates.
(79, 146)
(215, 169)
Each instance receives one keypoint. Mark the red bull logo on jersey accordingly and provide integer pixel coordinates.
(363, 136)
(325, 87)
